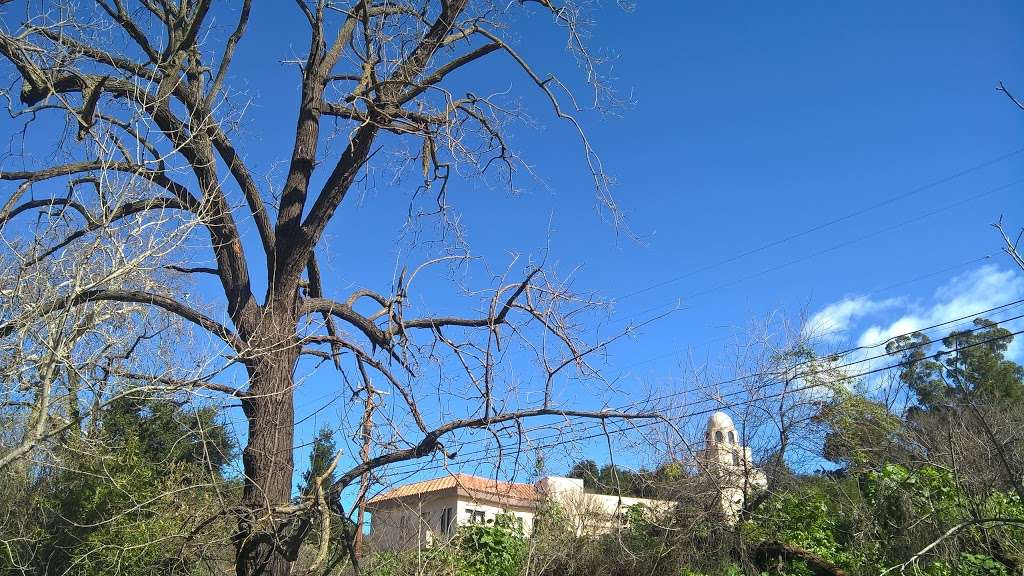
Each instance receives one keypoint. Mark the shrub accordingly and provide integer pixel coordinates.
(493, 549)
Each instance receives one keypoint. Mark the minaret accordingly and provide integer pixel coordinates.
(730, 463)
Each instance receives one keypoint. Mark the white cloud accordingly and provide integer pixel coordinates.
(965, 295)
(833, 320)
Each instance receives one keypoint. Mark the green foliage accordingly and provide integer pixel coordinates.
(166, 434)
(320, 457)
(981, 565)
(817, 517)
(915, 506)
(122, 499)
(640, 536)
(587, 471)
(612, 479)
(862, 434)
(116, 517)
(438, 561)
(493, 549)
(497, 548)
(901, 495)
(966, 565)
(971, 366)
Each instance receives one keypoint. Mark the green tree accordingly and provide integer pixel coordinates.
(861, 434)
(969, 411)
(166, 433)
(587, 471)
(125, 498)
(970, 367)
(320, 457)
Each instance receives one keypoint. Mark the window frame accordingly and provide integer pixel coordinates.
(447, 519)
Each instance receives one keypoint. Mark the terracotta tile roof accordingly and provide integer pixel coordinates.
(473, 486)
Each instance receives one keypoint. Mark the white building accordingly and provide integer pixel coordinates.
(422, 513)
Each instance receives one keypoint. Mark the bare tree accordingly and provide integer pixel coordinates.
(65, 355)
(1011, 243)
(151, 81)
(66, 360)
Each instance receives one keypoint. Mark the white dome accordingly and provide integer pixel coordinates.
(720, 421)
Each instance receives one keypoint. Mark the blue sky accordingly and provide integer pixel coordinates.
(839, 160)
(750, 124)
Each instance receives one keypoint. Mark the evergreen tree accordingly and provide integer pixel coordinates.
(123, 499)
(320, 457)
(970, 367)
(860, 434)
(585, 470)
(168, 434)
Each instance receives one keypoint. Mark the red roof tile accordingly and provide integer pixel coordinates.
(474, 486)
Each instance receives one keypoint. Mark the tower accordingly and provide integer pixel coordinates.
(729, 463)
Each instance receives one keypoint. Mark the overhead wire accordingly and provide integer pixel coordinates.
(721, 406)
(714, 289)
(832, 222)
(647, 401)
(676, 302)
(816, 228)
(886, 288)
(332, 397)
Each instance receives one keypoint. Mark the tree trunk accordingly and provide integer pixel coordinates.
(774, 555)
(267, 457)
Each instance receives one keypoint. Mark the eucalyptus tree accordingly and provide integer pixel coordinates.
(146, 90)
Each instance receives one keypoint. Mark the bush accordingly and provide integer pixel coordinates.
(494, 549)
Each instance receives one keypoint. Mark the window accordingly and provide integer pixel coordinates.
(718, 436)
(447, 515)
(732, 437)
(475, 516)
(735, 459)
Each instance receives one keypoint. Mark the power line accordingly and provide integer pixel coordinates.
(821, 252)
(794, 367)
(731, 283)
(718, 287)
(666, 396)
(334, 396)
(745, 402)
(833, 355)
(838, 330)
(827, 224)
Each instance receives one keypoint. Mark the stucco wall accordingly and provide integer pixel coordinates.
(411, 522)
(592, 513)
(491, 511)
